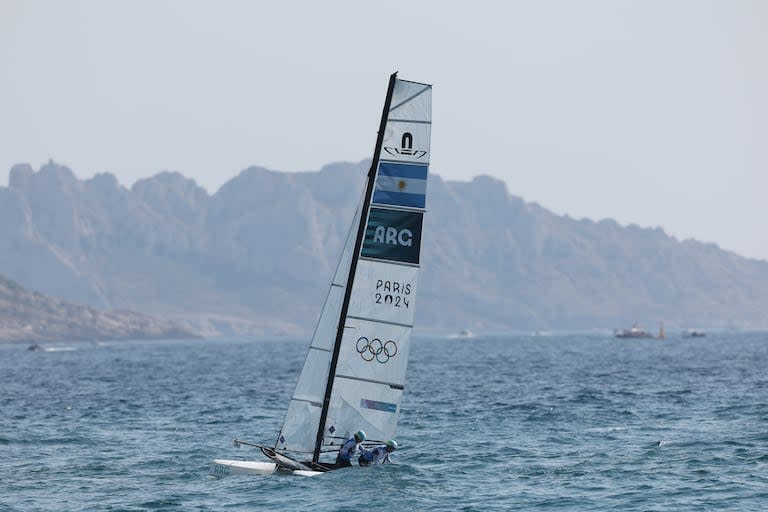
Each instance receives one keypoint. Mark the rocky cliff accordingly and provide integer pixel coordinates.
(31, 317)
(256, 256)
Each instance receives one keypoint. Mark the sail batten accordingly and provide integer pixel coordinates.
(316, 404)
(390, 384)
(397, 263)
(409, 121)
(353, 317)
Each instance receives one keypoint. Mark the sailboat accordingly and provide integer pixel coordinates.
(353, 376)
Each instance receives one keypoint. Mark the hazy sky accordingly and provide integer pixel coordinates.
(649, 112)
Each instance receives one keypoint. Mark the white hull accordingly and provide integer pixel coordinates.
(223, 467)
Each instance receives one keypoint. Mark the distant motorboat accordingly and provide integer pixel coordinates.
(35, 348)
(637, 332)
(464, 333)
(694, 333)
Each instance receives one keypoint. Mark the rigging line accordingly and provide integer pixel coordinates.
(238, 442)
(347, 239)
(410, 98)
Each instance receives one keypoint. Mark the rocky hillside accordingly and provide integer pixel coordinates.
(256, 256)
(32, 317)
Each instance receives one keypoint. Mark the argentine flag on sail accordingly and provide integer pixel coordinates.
(401, 185)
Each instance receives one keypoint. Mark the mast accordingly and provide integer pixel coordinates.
(353, 267)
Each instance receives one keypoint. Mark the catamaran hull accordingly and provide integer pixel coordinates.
(223, 467)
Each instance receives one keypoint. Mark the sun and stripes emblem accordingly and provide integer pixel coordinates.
(400, 184)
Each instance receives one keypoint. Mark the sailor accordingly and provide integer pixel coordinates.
(379, 455)
(349, 449)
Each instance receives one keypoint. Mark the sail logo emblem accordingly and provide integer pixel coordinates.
(390, 235)
(401, 184)
(376, 349)
(392, 293)
(378, 406)
(406, 148)
(393, 235)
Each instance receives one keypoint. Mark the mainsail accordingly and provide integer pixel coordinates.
(354, 372)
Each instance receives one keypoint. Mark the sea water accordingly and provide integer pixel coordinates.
(507, 422)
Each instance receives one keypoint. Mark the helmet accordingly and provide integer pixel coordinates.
(360, 436)
(392, 444)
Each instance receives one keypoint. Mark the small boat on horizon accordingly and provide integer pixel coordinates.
(638, 332)
(694, 333)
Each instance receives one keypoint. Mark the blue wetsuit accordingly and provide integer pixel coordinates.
(378, 455)
(348, 449)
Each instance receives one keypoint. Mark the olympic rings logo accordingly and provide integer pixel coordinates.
(376, 349)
